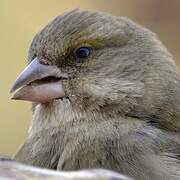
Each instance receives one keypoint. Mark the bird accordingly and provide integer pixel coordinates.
(105, 94)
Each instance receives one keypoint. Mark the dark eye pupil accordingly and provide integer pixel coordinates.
(83, 52)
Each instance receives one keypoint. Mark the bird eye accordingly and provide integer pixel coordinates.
(83, 53)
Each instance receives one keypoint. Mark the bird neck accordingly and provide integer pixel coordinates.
(62, 115)
(51, 115)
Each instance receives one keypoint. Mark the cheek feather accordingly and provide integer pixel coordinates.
(114, 88)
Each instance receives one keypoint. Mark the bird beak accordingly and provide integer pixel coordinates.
(39, 83)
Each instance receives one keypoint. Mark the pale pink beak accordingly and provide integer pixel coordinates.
(39, 83)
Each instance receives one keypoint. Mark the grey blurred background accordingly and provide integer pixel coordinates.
(19, 22)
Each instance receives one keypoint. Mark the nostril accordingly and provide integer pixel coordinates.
(44, 61)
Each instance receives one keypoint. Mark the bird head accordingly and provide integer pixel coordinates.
(98, 62)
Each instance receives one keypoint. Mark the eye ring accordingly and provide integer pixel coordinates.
(83, 53)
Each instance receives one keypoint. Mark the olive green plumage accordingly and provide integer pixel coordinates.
(122, 108)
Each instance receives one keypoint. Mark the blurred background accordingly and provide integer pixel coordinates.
(19, 22)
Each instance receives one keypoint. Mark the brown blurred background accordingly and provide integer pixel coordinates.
(20, 20)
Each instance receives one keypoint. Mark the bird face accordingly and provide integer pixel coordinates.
(91, 58)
